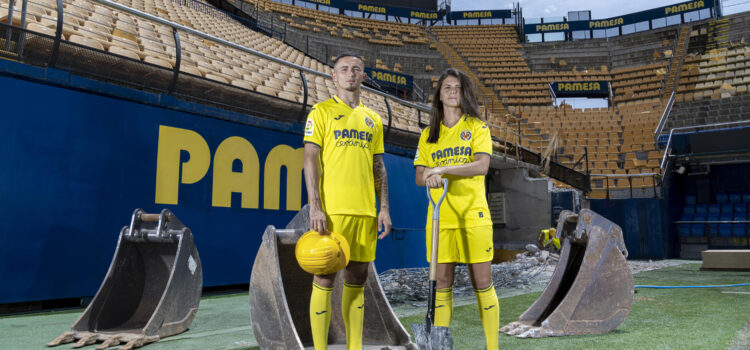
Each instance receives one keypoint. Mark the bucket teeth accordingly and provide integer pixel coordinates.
(67, 337)
(135, 343)
(111, 341)
(85, 340)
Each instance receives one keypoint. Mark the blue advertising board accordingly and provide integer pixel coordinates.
(77, 164)
(617, 21)
(381, 9)
(482, 14)
(383, 76)
(598, 88)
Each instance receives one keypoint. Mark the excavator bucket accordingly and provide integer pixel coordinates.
(152, 288)
(280, 299)
(591, 290)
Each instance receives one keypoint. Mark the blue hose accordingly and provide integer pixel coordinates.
(679, 287)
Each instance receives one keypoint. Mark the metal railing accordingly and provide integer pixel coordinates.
(654, 177)
(663, 120)
(668, 147)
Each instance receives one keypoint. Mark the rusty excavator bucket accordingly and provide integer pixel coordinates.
(280, 298)
(152, 288)
(591, 290)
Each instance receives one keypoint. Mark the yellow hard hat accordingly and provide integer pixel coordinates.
(322, 254)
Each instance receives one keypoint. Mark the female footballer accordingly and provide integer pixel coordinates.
(457, 146)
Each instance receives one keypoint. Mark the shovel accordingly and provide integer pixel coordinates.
(427, 336)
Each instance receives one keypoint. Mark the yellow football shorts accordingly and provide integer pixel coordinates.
(360, 231)
(468, 245)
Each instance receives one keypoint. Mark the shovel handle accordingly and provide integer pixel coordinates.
(435, 229)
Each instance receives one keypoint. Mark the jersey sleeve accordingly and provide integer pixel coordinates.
(377, 138)
(314, 127)
(422, 157)
(482, 142)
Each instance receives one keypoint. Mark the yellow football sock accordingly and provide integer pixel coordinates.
(443, 307)
(489, 313)
(320, 315)
(353, 310)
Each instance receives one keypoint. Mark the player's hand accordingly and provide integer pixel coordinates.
(434, 181)
(318, 220)
(428, 172)
(384, 224)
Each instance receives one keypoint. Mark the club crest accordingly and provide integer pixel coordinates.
(465, 135)
(369, 122)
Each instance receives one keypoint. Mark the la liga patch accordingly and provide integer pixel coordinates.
(309, 127)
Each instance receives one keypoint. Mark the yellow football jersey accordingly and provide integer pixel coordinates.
(465, 205)
(348, 138)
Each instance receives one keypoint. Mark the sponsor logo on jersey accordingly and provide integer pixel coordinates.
(465, 135)
(369, 122)
(352, 138)
(416, 155)
(451, 152)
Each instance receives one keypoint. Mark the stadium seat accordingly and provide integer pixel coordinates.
(713, 228)
(725, 230)
(722, 198)
(714, 208)
(689, 209)
(685, 228)
(740, 229)
(689, 199)
(699, 229)
(735, 197)
(727, 208)
(746, 197)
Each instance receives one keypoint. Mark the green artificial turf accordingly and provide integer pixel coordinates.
(659, 318)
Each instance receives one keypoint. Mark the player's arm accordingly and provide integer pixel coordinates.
(479, 166)
(312, 180)
(419, 175)
(381, 188)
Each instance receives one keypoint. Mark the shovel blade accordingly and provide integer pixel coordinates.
(432, 338)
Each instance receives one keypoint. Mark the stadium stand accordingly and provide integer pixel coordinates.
(399, 47)
(106, 29)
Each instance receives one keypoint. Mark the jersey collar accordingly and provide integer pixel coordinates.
(341, 102)
(460, 120)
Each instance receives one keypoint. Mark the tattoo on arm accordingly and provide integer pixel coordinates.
(381, 180)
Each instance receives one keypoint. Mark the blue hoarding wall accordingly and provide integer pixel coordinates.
(644, 222)
(647, 15)
(76, 165)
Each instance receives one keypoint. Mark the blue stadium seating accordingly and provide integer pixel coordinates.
(690, 199)
(714, 209)
(713, 229)
(727, 208)
(738, 230)
(746, 197)
(735, 197)
(722, 198)
(701, 209)
(685, 228)
(689, 209)
(725, 230)
(698, 230)
(740, 208)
